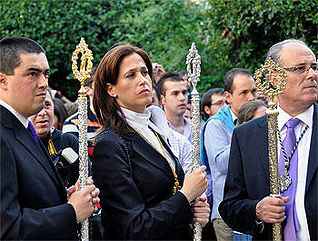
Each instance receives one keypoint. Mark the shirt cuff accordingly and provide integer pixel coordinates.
(260, 226)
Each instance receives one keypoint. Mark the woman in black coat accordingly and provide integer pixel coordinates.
(144, 192)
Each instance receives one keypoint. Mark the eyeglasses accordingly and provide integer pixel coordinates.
(303, 68)
(219, 103)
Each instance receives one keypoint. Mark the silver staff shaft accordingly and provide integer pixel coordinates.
(195, 128)
(193, 70)
(83, 154)
(195, 110)
(86, 66)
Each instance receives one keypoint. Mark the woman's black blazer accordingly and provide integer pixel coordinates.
(136, 185)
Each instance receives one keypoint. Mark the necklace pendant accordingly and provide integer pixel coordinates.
(174, 190)
(284, 181)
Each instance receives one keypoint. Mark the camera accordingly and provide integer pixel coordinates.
(155, 68)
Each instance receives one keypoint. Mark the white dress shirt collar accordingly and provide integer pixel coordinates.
(21, 118)
(234, 117)
(140, 121)
(305, 117)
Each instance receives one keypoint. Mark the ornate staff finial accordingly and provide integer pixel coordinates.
(83, 74)
(193, 62)
(86, 62)
(272, 85)
(275, 80)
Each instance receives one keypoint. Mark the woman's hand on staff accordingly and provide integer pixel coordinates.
(83, 200)
(201, 211)
(195, 183)
(76, 186)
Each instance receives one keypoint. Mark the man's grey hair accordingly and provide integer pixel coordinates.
(274, 51)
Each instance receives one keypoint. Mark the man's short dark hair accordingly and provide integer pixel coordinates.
(155, 87)
(168, 76)
(229, 77)
(12, 48)
(182, 73)
(206, 97)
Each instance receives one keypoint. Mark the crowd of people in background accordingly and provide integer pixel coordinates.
(139, 133)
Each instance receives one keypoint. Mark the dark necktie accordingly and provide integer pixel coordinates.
(289, 143)
(32, 130)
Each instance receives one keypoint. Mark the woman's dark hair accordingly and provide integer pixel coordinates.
(248, 110)
(107, 109)
(60, 112)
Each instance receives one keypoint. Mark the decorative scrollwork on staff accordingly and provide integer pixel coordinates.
(83, 74)
(86, 62)
(272, 85)
(193, 62)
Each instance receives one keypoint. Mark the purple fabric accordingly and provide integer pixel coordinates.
(32, 130)
(291, 223)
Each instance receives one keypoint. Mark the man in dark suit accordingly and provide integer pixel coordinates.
(247, 206)
(34, 202)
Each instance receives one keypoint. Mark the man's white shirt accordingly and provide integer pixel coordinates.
(303, 156)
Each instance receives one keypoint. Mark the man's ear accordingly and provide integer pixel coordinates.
(163, 100)
(207, 110)
(228, 96)
(3, 81)
(111, 90)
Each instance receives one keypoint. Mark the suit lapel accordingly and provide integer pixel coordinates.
(144, 149)
(313, 156)
(27, 141)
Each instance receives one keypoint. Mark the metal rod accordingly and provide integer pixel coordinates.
(273, 163)
(274, 84)
(83, 155)
(193, 62)
(84, 73)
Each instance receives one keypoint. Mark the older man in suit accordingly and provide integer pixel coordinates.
(247, 206)
(34, 202)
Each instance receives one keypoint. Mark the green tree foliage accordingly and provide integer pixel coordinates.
(241, 31)
(228, 33)
(58, 26)
(164, 28)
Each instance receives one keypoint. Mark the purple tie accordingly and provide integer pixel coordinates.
(32, 130)
(291, 223)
